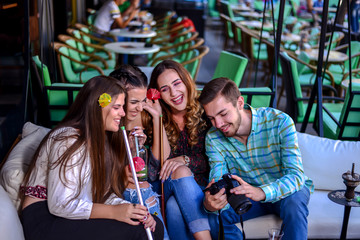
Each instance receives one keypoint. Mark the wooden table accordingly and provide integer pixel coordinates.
(289, 37)
(240, 8)
(345, 83)
(255, 24)
(320, 9)
(334, 57)
(254, 15)
(131, 48)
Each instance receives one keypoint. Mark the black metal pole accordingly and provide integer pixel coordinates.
(26, 57)
(317, 90)
(277, 48)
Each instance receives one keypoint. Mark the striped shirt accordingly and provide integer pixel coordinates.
(270, 159)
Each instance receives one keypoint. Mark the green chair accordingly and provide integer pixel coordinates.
(83, 56)
(296, 104)
(226, 16)
(90, 36)
(84, 44)
(231, 66)
(178, 52)
(255, 97)
(253, 51)
(258, 96)
(341, 72)
(65, 67)
(179, 44)
(58, 96)
(346, 124)
(192, 64)
(213, 12)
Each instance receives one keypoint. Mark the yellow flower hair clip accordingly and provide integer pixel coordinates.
(104, 99)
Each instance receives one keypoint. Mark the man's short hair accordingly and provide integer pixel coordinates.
(223, 86)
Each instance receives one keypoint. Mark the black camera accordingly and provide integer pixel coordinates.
(239, 203)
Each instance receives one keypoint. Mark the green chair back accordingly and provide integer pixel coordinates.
(294, 105)
(69, 73)
(355, 48)
(350, 116)
(231, 66)
(257, 96)
(87, 39)
(59, 95)
(212, 9)
(192, 67)
(42, 69)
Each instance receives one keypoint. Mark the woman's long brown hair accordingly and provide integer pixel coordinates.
(193, 120)
(85, 115)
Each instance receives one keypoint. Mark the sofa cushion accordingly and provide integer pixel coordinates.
(16, 165)
(325, 160)
(10, 226)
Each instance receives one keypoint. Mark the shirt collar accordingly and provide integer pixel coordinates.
(254, 117)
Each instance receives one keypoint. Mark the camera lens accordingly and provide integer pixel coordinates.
(239, 203)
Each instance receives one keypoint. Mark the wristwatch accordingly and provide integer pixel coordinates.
(187, 160)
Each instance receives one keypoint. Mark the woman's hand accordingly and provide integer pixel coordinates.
(130, 212)
(139, 133)
(153, 107)
(170, 166)
(149, 222)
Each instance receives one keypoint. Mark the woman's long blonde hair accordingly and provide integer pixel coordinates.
(193, 117)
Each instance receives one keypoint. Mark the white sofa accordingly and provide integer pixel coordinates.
(324, 161)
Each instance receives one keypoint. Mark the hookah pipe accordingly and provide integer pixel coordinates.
(127, 146)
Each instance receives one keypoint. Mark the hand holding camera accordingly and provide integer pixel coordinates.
(239, 202)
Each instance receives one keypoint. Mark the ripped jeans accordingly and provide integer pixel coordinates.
(151, 200)
(184, 196)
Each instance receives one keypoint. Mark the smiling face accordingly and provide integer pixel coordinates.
(134, 103)
(113, 113)
(224, 115)
(173, 90)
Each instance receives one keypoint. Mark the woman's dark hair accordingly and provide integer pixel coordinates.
(100, 146)
(130, 76)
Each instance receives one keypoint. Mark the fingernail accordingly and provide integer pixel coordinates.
(148, 214)
(162, 181)
(145, 217)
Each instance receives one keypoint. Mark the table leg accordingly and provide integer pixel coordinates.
(345, 222)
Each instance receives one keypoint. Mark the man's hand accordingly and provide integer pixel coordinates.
(254, 193)
(215, 202)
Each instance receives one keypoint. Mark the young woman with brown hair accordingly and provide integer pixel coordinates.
(185, 172)
(74, 187)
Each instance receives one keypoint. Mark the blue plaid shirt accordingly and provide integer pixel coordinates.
(270, 159)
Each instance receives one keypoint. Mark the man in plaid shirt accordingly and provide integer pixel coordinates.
(259, 147)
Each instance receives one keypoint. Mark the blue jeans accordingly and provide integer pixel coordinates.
(184, 194)
(292, 210)
(154, 207)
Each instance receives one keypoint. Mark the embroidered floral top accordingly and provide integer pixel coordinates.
(199, 164)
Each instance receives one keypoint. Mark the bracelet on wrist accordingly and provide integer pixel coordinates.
(186, 160)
